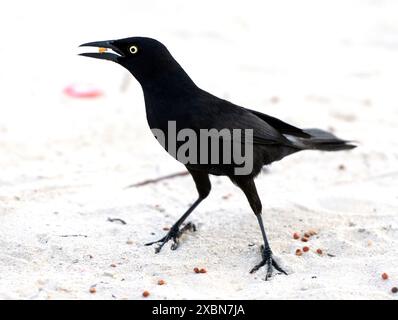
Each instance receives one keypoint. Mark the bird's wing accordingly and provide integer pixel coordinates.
(281, 126)
(213, 112)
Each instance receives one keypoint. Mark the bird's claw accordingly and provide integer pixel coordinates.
(163, 241)
(174, 234)
(269, 262)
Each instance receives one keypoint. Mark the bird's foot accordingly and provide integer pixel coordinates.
(174, 234)
(269, 262)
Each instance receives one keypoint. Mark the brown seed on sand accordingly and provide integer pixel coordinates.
(296, 235)
(306, 249)
(145, 294)
(394, 290)
(319, 251)
(93, 290)
(384, 276)
(304, 239)
(196, 270)
(299, 252)
(166, 228)
(202, 270)
(113, 265)
(161, 282)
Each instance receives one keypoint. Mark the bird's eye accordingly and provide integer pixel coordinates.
(133, 49)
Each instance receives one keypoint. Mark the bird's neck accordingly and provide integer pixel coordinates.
(169, 81)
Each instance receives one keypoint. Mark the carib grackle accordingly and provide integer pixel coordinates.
(171, 96)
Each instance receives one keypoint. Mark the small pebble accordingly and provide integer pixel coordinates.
(341, 167)
(394, 290)
(108, 274)
(113, 265)
(129, 242)
(312, 232)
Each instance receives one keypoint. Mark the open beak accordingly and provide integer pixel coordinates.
(102, 52)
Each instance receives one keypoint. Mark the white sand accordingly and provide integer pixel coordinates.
(66, 162)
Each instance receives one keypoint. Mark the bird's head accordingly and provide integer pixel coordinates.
(145, 58)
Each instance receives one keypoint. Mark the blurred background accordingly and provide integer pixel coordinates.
(326, 64)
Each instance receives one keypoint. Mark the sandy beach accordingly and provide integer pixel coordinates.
(67, 162)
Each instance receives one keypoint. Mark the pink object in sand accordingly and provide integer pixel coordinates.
(81, 91)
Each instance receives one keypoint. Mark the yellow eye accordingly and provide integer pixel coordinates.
(133, 49)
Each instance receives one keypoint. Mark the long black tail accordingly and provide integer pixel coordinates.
(322, 140)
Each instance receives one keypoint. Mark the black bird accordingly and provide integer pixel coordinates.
(171, 95)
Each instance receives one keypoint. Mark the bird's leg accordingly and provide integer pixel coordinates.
(203, 186)
(175, 232)
(267, 260)
(249, 188)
